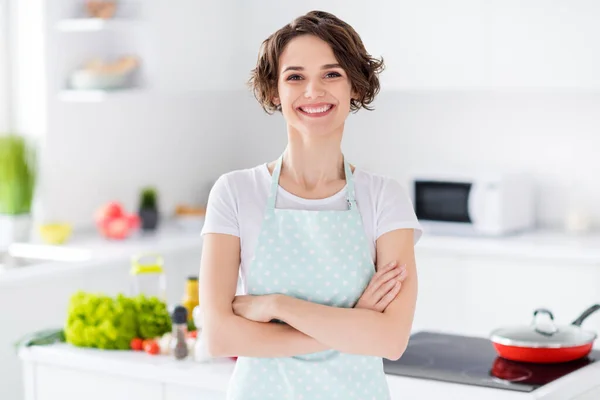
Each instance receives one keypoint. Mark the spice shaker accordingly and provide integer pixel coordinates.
(179, 345)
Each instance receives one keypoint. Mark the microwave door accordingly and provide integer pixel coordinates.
(443, 207)
(476, 204)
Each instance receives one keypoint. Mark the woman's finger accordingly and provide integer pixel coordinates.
(389, 275)
(374, 282)
(383, 290)
(389, 297)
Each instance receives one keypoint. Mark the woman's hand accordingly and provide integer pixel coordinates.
(383, 288)
(254, 308)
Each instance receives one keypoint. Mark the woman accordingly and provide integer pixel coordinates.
(321, 247)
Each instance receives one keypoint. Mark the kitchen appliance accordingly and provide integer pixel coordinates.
(545, 342)
(481, 205)
(465, 367)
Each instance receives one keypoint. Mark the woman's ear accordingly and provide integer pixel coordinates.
(276, 101)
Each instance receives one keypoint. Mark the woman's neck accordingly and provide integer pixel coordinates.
(313, 162)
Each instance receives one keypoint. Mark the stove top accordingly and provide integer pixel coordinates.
(474, 361)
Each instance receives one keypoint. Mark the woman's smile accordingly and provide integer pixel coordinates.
(316, 110)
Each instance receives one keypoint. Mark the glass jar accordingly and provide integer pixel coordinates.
(148, 276)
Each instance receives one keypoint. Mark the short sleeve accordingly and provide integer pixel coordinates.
(395, 210)
(221, 210)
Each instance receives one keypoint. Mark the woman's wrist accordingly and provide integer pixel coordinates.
(276, 305)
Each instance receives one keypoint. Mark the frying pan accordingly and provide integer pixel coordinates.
(545, 342)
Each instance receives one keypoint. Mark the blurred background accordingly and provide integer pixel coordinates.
(117, 117)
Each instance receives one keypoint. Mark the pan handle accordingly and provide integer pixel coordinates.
(538, 329)
(586, 314)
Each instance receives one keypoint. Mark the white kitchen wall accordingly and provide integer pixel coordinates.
(175, 133)
(463, 89)
(553, 136)
(470, 84)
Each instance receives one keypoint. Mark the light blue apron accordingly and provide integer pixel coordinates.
(322, 257)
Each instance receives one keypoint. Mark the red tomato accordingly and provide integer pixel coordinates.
(113, 209)
(192, 334)
(117, 228)
(137, 344)
(151, 347)
(134, 221)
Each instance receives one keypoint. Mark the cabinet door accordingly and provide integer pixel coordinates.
(430, 43)
(70, 384)
(505, 291)
(540, 43)
(180, 392)
(442, 300)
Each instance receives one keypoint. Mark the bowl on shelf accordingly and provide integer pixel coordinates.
(91, 80)
(55, 233)
(98, 74)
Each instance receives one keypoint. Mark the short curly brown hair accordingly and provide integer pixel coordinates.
(348, 49)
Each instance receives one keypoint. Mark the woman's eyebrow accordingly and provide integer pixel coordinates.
(296, 68)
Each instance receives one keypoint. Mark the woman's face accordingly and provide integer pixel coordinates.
(313, 90)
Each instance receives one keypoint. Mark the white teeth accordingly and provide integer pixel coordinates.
(314, 110)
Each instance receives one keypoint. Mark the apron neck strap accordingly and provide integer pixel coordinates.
(277, 172)
(275, 183)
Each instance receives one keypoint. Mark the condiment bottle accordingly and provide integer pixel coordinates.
(190, 298)
(179, 345)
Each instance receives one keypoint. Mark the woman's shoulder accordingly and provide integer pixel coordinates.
(240, 181)
(245, 176)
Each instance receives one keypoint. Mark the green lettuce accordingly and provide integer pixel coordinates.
(104, 322)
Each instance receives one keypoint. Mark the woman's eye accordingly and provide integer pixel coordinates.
(333, 75)
(294, 77)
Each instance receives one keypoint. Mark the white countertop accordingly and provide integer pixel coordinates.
(537, 245)
(90, 250)
(95, 251)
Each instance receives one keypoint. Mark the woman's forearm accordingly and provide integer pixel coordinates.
(237, 336)
(349, 330)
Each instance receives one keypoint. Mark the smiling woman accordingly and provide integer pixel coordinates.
(324, 249)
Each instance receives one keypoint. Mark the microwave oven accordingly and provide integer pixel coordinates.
(480, 205)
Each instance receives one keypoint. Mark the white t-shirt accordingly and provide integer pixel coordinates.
(238, 199)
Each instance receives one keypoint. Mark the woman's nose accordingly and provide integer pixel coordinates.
(314, 89)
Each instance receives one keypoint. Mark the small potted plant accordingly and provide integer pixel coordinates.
(17, 183)
(148, 209)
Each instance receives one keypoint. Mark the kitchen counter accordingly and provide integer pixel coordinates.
(65, 372)
(542, 245)
(88, 250)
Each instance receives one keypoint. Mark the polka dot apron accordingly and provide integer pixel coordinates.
(322, 257)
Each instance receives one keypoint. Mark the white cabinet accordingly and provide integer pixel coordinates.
(473, 44)
(431, 44)
(71, 384)
(478, 293)
(181, 392)
(542, 44)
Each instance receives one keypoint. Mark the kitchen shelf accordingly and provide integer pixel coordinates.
(94, 24)
(95, 96)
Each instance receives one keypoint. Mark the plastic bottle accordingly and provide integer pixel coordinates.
(179, 346)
